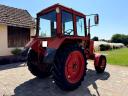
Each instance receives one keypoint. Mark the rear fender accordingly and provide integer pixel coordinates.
(50, 51)
(31, 42)
(55, 44)
(35, 44)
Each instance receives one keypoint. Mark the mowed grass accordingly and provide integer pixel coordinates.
(117, 57)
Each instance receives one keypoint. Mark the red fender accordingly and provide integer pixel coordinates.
(56, 43)
(35, 45)
(31, 42)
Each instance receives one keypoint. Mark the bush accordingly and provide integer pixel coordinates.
(104, 47)
(114, 47)
(16, 51)
(95, 38)
(120, 38)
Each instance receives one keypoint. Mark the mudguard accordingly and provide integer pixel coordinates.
(48, 52)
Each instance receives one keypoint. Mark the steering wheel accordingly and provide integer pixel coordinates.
(68, 32)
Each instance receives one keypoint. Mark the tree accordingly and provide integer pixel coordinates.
(120, 38)
(95, 38)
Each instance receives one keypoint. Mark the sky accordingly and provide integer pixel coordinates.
(113, 13)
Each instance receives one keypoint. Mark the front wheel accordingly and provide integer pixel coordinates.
(101, 64)
(69, 67)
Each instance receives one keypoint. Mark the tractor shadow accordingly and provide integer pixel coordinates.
(13, 65)
(45, 87)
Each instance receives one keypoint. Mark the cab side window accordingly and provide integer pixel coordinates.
(67, 23)
(80, 26)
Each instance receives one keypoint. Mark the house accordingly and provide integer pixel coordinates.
(16, 27)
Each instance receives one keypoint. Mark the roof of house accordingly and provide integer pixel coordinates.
(15, 17)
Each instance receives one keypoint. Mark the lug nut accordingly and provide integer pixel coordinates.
(69, 76)
(53, 81)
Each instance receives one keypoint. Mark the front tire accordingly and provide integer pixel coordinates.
(69, 67)
(101, 64)
(36, 67)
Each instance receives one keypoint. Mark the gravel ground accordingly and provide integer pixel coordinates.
(16, 80)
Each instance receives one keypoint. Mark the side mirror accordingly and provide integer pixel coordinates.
(96, 19)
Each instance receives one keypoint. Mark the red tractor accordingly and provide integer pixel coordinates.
(62, 46)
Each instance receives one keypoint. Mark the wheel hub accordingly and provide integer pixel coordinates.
(75, 66)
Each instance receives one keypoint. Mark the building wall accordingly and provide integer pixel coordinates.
(4, 50)
(33, 32)
(3, 40)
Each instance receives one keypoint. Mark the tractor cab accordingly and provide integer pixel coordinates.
(62, 46)
(58, 20)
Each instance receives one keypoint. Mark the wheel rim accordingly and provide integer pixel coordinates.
(103, 63)
(74, 68)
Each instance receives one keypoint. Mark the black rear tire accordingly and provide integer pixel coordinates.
(36, 67)
(59, 67)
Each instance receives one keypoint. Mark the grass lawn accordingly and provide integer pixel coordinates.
(117, 57)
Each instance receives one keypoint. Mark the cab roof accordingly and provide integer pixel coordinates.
(61, 7)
